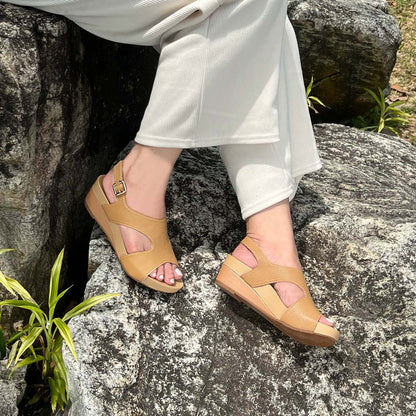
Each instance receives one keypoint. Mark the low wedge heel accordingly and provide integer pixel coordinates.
(253, 287)
(110, 216)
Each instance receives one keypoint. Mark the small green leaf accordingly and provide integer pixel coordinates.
(57, 299)
(54, 394)
(28, 341)
(88, 303)
(54, 280)
(13, 286)
(317, 100)
(12, 353)
(376, 99)
(59, 365)
(66, 335)
(40, 315)
(4, 250)
(26, 361)
(15, 336)
(309, 87)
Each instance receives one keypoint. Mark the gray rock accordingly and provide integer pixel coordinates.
(69, 103)
(66, 94)
(199, 352)
(11, 390)
(347, 45)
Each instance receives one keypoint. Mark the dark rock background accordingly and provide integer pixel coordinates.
(69, 103)
(345, 45)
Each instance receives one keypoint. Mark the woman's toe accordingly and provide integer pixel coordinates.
(325, 321)
(176, 272)
(169, 277)
(153, 274)
(159, 273)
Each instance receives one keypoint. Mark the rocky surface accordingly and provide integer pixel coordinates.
(347, 45)
(11, 390)
(69, 103)
(199, 352)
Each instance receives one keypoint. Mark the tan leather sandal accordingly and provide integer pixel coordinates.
(110, 215)
(252, 287)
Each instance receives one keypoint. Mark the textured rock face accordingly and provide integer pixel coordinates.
(11, 390)
(199, 352)
(69, 102)
(349, 45)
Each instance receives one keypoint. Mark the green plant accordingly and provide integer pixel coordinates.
(50, 332)
(381, 116)
(311, 99)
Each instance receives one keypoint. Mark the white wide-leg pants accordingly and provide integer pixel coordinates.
(229, 75)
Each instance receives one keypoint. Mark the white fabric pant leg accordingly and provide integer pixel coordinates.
(264, 174)
(219, 66)
(217, 82)
(220, 69)
(261, 174)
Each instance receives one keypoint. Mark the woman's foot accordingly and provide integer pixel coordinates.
(146, 171)
(272, 230)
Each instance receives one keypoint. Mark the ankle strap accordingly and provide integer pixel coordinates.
(119, 187)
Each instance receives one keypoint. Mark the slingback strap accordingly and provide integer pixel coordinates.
(119, 186)
(155, 229)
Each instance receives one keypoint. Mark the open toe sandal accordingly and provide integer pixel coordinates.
(253, 287)
(109, 216)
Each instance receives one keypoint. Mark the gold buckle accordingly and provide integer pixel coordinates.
(117, 193)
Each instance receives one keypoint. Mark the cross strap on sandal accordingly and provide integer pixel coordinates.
(109, 216)
(253, 287)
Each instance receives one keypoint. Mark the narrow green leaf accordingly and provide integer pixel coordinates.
(15, 336)
(393, 130)
(382, 101)
(373, 95)
(12, 353)
(5, 283)
(88, 303)
(26, 361)
(318, 101)
(52, 307)
(396, 119)
(28, 341)
(309, 87)
(66, 335)
(54, 394)
(23, 304)
(13, 286)
(4, 250)
(32, 319)
(381, 125)
(57, 345)
(54, 280)
(60, 365)
(396, 103)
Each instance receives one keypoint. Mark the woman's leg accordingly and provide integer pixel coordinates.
(146, 171)
(262, 180)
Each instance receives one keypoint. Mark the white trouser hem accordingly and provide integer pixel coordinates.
(279, 196)
(156, 141)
